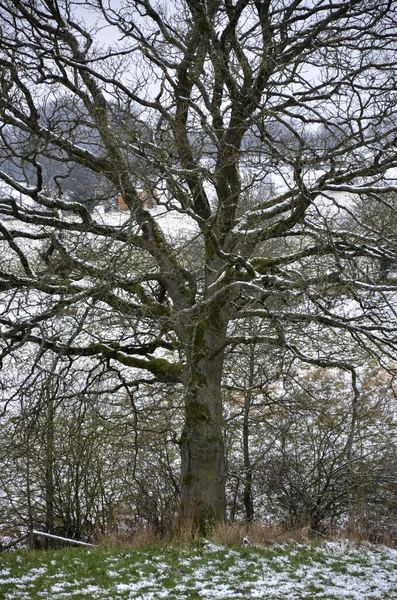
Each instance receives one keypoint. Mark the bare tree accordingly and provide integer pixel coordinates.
(81, 456)
(204, 101)
(324, 468)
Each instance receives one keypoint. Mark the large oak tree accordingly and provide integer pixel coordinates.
(269, 126)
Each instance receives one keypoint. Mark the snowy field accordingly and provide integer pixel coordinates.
(332, 571)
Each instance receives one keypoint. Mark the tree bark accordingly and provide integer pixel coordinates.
(203, 501)
(49, 463)
(247, 493)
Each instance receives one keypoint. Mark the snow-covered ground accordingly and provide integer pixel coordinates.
(332, 571)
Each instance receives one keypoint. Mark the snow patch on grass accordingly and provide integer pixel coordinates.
(337, 571)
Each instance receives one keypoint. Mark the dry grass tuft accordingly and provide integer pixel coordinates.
(241, 534)
(140, 538)
(257, 534)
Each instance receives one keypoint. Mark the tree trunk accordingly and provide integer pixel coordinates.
(203, 501)
(49, 462)
(247, 493)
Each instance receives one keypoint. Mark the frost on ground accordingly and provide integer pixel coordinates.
(332, 571)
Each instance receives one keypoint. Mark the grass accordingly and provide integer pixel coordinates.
(203, 571)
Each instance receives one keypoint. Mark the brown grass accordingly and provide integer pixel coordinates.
(140, 538)
(232, 534)
(258, 534)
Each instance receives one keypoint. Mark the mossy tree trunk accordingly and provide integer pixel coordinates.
(248, 401)
(202, 449)
(49, 462)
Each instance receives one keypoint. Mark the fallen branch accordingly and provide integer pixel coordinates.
(63, 539)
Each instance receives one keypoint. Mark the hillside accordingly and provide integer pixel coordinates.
(331, 571)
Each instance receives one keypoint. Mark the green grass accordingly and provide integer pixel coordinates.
(201, 572)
